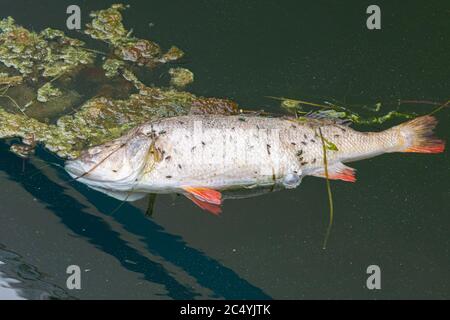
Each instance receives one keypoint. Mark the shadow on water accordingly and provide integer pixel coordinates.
(209, 273)
(29, 283)
(75, 216)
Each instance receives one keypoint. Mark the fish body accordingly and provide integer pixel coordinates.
(201, 155)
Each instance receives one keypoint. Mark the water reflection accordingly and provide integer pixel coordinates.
(21, 280)
(222, 281)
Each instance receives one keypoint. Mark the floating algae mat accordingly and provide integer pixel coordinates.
(40, 71)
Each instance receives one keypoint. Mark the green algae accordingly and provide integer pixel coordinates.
(40, 105)
(339, 112)
(180, 77)
(107, 25)
(6, 79)
(101, 119)
(47, 91)
(46, 54)
(32, 63)
(174, 53)
(112, 67)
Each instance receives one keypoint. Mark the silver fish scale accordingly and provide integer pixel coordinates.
(229, 151)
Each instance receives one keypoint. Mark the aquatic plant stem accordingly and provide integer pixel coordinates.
(299, 101)
(15, 103)
(400, 102)
(439, 108)
(330, 195)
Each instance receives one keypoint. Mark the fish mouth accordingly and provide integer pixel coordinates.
(81, 171)
(96, 175)
(75, 169)
(116, 165)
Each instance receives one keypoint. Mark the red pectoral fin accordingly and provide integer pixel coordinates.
(338, 171)
(205, 194)
(211, 208)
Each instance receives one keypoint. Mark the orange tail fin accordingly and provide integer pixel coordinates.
(418, 135)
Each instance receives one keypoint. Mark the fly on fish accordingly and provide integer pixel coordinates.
(206, 156)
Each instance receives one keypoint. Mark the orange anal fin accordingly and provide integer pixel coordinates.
(211, 208)
(346, 175)
(205, 194)
(338, 172)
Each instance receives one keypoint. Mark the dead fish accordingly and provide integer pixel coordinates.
(202, 155)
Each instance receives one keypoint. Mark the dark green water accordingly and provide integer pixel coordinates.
(396, 216)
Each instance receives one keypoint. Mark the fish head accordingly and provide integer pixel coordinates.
(115, 165)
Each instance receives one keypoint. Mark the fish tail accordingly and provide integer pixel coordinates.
(417, 136)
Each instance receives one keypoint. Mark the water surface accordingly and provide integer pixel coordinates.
(395, 216)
